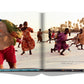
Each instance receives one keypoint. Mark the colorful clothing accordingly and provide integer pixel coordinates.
(75, 40)
(8, 54)
(81, 38)
(8, 34)
(61, 42)
(53, 35)
(19, 40)
(27, 42)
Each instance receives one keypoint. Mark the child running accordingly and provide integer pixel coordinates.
(53, 34)
(56, 37)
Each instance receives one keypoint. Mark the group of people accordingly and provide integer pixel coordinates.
(61, 41)
(9, 35)
(27, 41)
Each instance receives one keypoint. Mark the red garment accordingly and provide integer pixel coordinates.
(61, 42)
(53, 35)
(18, 40)
(8, 54)
(27, 42)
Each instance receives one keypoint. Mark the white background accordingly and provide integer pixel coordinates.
(42, 6)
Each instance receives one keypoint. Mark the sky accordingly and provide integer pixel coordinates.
(56, 18)
(33, 18)
(51, 19)
(43, 6)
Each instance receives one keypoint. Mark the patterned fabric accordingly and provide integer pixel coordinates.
(27, 42)
(61, 42)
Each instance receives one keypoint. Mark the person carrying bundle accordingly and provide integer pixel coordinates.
(8, 34)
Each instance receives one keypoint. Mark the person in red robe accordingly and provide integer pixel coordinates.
(27, 42)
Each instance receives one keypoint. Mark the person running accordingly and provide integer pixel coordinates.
(53, 34)
(81, 38)
(78, 40)
(39, 36)
(49, 35)
(19, 39)
(75, 41)
(27, 42)
(61, 41)
(56, 37)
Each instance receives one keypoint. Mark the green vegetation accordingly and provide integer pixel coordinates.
(12, 29)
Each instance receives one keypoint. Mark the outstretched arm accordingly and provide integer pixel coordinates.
(70, 39)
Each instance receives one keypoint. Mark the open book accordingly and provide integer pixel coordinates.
(48, 42)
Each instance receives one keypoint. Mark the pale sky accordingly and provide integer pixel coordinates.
(33, 18)
(51, 19)
(56, 18)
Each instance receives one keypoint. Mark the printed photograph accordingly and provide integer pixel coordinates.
(64, 40)
(18, 40)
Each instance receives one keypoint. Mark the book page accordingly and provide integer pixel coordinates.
(64, 38)
(19, 50)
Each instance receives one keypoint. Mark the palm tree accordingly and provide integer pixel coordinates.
(69, 25)
(65, 23)
(78, 20)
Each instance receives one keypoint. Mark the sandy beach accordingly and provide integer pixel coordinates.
(71, 60)
(26, 60)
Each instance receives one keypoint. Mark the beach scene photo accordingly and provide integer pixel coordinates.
(28, 44)
(18, 39)
(65, 48)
